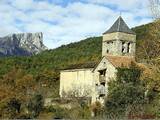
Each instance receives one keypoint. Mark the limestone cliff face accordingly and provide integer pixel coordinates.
(22, 44)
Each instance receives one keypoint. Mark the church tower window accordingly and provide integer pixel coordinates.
(123, 47)
(128, 47)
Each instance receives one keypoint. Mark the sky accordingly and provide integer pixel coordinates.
(66, 21)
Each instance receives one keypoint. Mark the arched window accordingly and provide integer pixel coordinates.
(128, 47)
(123, 47)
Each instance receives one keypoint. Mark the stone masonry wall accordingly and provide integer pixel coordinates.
(113, 42)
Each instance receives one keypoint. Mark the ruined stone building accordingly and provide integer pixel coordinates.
(90, 80)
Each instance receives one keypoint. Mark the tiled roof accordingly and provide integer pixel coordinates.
(120, 61)
(81, 66)
(119, 26)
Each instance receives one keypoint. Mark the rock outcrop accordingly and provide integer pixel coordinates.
(22, 44)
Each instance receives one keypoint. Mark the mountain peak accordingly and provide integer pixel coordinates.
(22, 44)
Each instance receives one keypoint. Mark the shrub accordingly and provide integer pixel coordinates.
(35, 105)
(125, 94)
(60, 113)
(50, 109)
(96, 108)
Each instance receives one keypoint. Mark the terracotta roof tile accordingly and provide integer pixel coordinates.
(120, 61)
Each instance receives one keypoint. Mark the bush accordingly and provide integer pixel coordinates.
(35, 105)
(96, 108)
(10, 108)
(126, 94)
(23, 116)
(77, 111)
(60, 113)
(50, 109)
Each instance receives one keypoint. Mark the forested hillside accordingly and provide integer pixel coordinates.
(41, 72)
(80, 52)
(51, 61)
(84, 51)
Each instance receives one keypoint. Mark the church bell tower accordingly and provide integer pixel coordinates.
(119, 40)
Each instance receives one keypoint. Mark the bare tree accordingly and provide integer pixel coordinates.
(155, 8)
(77, 92)
(154, 33)
(152, 47)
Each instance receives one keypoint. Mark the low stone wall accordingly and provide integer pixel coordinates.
(66, 102)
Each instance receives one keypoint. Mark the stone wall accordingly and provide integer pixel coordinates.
(113, 42)
(110, 74)
(79, 81)
(84, 81)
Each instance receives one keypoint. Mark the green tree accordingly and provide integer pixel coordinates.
(35, 105)
(126, 93)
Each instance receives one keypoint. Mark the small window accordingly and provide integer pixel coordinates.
(110, 42)
(103, 83)
(107, 51)
(102, 72)
(128, 47)
(123, 47)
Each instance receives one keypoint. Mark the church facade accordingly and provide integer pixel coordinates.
(90, 79)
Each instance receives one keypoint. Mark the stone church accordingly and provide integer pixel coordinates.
(90, 80)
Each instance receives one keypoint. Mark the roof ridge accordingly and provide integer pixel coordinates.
(119, 24)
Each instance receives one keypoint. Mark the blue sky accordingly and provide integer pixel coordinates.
(66, 21)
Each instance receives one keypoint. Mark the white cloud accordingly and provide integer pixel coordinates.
(62, 25)
(122, 4)
(23, 4)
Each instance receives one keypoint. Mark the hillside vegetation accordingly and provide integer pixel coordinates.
(80, 52)
(40, 73)
(51, 61)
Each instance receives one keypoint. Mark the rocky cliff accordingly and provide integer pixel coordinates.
(22, 44)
